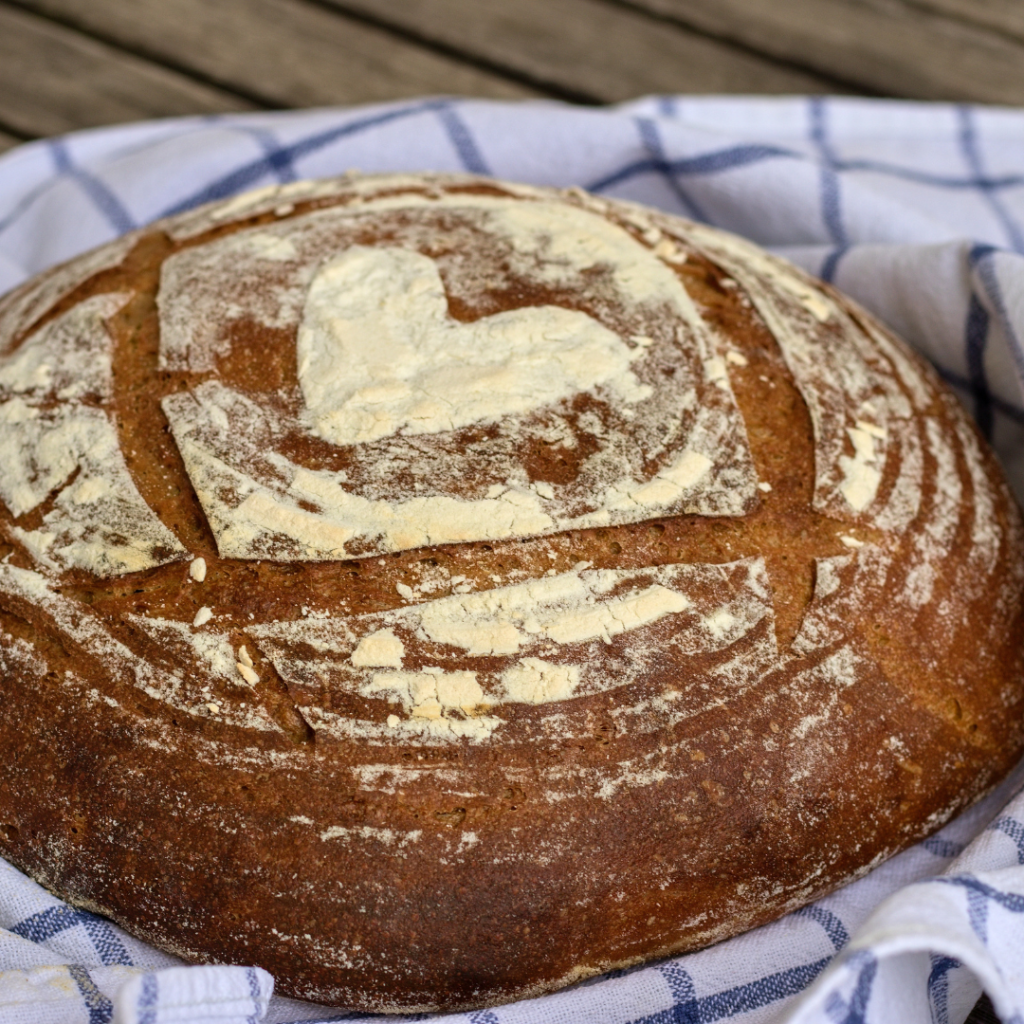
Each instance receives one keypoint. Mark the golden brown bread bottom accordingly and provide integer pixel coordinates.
(712, 707)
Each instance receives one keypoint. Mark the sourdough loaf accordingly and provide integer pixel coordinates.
(437, 591)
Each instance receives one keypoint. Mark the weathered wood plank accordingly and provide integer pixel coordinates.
(587, 48)
(54, 80)
(1003, 16)
(893, 47)
(279, 52)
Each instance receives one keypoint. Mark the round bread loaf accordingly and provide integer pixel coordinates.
(437, 591)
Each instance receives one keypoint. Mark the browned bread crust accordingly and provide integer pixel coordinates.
(706, 617)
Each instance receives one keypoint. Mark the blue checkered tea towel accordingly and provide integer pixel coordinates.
(917, 210)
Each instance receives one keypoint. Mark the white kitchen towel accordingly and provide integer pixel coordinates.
(915, 209)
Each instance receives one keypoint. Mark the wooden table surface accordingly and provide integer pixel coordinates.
(67, 64)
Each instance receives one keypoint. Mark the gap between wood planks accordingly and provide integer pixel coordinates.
(925, 49)
(54, 80)
(593, 66)
(241, 54)
(66, 65)
(954, 50)
(590, 46)
(59, 73)
(1003, 16)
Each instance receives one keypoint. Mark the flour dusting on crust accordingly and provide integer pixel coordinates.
(861, 393)
(453, 666)
(162, 677)
(379, 354)
(21, 308)
(58, 437)
(390, 375)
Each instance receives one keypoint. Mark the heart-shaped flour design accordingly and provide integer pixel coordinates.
(379, 354)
